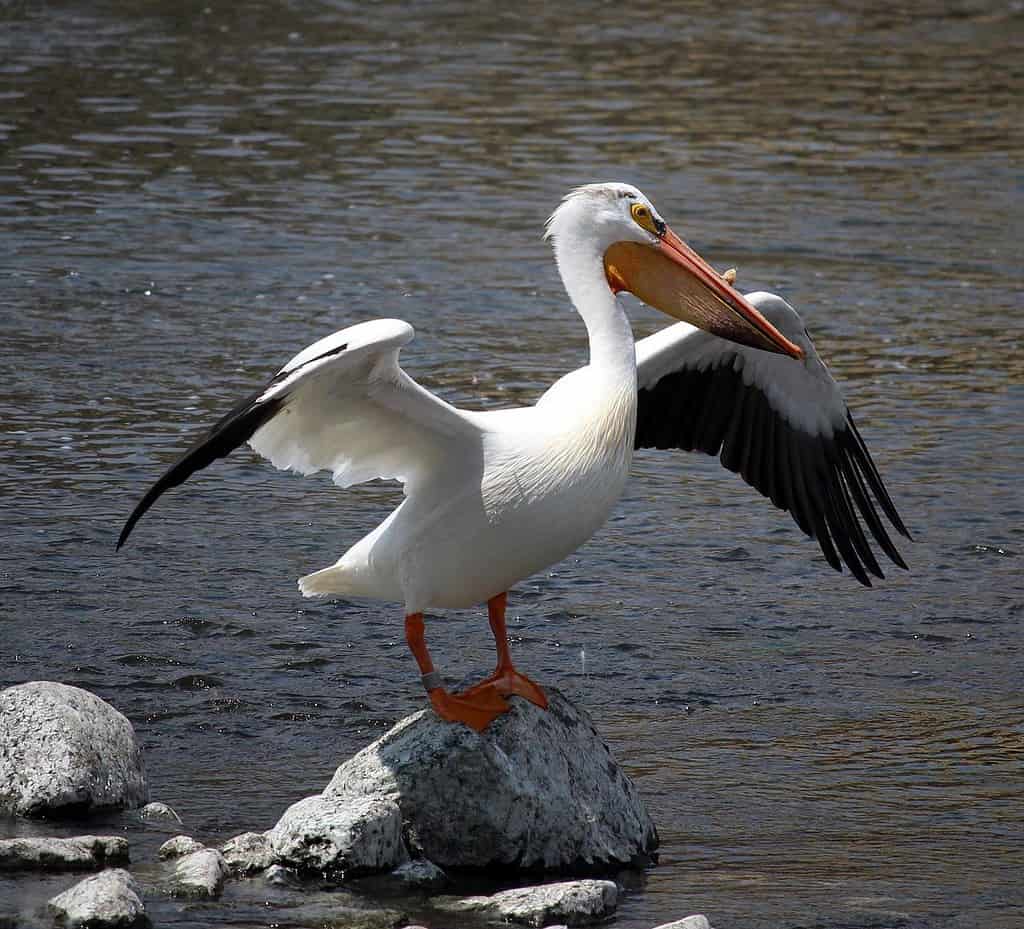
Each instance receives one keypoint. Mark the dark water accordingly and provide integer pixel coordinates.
(190, 193)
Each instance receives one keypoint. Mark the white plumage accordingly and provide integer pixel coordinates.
(492, 497)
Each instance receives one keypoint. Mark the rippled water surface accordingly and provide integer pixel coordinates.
(190, 193)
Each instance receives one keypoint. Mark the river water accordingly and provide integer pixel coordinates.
(191, 192)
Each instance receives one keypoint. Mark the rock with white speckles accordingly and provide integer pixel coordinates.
(359, 835)
(199, 874)
(420, 874)
(697, 921)
(573, 903)
(159, 813)
(248, 853)
(178, 847)
(536, 789)
(81, 853)
(64, 751)
(108, 900)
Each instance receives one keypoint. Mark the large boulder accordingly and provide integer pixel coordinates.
(64, 750)
(108, 900)
(535, 790)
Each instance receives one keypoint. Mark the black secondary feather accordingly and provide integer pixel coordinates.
(828, 484)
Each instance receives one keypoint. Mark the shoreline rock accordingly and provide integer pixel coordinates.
(64, 751)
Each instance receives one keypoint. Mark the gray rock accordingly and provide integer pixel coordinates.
(108, 900)
(574, 903)
(199, 874)
(697, 921)
(64, 750)
(420, 875)
(357, 918)
(178, 847)
(159, 812)
(536, 789)
(326, 834)
(248, 853)
(82, 853)
(337, 915)
(279, 876)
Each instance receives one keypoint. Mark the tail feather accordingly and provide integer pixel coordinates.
(325, 583)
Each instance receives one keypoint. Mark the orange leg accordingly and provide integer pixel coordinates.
(476, 712)
(505, 680)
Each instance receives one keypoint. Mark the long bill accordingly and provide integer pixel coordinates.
(673, 278)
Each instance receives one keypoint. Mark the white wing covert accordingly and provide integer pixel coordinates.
(342, 405)
(781, 424)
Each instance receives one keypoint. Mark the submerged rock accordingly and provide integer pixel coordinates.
(420, 874)
(178, 847)
(248, 853)
(108, 900)
(574, 903)
(199, 874)
(536, 789)
(159, 812)
(82, 853)
(356, 836)
(697, 921)
(64, 750)
(279, 876)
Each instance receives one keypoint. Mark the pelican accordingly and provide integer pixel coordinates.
(493, 497)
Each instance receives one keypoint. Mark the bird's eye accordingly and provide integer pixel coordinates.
(643, 218)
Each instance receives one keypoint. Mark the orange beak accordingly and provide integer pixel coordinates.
(673, 278)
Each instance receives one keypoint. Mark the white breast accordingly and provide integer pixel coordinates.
(551, 475)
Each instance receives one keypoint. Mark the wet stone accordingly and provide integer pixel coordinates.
(108, 900)
(326, 834)
(573, 903)
(82, 853)
(248, 853)
(279, 876)
(64, 751)
(697, 921)
(178, 847)
(420, 874)
(159, 812)
(199, 874)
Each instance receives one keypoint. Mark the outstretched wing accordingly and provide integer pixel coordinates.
(342, 405)
(781, 424)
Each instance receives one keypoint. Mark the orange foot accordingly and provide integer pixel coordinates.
(506, 682)
(477, 711)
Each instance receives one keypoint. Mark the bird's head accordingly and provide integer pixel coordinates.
(642, 255)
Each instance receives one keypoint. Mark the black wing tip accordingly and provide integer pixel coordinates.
(233, 430)
(125, 532)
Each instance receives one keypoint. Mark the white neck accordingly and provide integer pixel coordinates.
(581, 265)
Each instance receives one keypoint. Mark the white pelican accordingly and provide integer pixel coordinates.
(492, 497)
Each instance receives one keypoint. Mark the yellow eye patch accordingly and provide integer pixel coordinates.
(642, 217)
